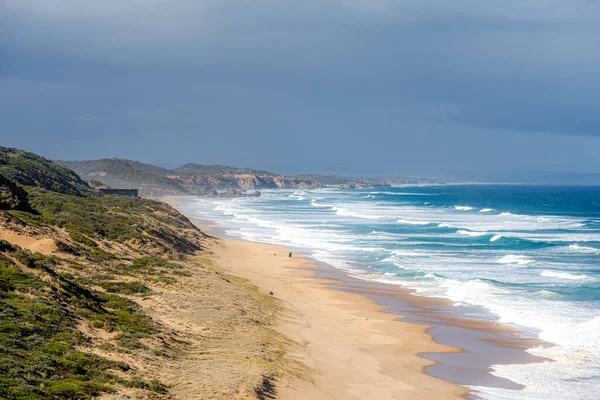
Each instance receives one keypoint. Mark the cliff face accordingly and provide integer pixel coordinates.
(197, 179)
(188, 179)
(243, 181)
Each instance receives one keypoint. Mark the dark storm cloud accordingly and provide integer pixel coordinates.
(313, 76)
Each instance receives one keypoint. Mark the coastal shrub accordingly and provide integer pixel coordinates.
(38, 340)
(12, 278)
(126, 287)
(182, 273)
(101, 277)
(34, 260)
(97, 324)
(65, 247)
(100, 255)
(144, 262)
(124, 316)
(117, 302)
(114, 218)
(6, 247)
(80, 238)
(74, 389)
(130, 342)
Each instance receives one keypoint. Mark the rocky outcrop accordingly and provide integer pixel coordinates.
(236, 193)
(12, 197)
(231, 193)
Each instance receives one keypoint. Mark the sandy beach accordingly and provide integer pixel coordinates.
(354, 350)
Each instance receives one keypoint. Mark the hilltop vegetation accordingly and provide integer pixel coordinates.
(32, 170)
(200, 169)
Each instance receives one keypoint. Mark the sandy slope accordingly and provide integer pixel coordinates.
(35, 244)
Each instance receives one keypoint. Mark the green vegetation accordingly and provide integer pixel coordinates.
(46, 300)
(126, 287)
(137, 222)
(38, 339)
(79, 237)
(199, 169)
(70, 316)
(32, 170)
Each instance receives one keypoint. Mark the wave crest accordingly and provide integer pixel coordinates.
(563, 275)
(463, 208)
(516, 259)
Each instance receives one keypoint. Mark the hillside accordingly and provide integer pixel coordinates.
(32, 170)
(187, 179)
(96, 294)
(121, 173)
(12, 197)
(200, 179)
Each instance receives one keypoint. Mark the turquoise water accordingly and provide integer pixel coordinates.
(527, 256)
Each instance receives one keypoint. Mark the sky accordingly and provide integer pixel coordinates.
(377, 87)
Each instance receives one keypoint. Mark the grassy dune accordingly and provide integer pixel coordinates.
(123, 299)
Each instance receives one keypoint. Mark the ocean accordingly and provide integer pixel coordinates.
(526, 256)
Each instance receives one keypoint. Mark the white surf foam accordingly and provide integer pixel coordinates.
(516, 259)
(412, 222)
(584, 249)
(315, 203)
(543, 311)
(463, 208)
(470, 233)
(486, 210)
(548, 293)
(343, 212)
(563, 275)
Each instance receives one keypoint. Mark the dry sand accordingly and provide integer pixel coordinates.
(355, 350)
(40, 245)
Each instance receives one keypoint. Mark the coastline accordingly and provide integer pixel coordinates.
(354, 349)
(456, 352)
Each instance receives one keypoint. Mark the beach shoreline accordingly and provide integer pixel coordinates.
(383, 325)
(354, 350)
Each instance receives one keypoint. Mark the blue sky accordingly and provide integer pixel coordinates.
(359, 87)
